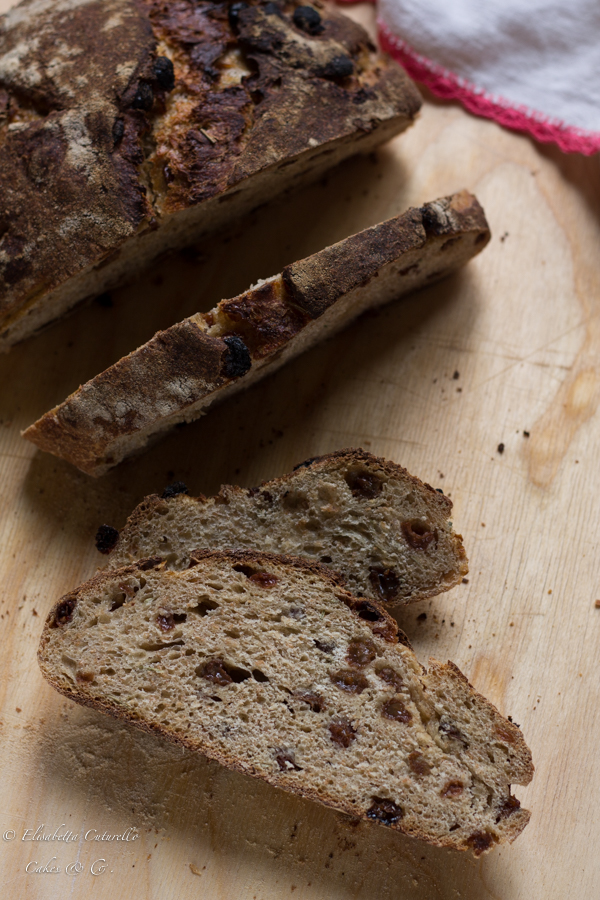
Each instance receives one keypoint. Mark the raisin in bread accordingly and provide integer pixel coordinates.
(180, 372)
(268, 665)
(385, 531)
(131, 127)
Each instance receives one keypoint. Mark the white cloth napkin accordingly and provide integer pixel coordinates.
(533, 65)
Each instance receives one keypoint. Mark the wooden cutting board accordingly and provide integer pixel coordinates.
(504, 354)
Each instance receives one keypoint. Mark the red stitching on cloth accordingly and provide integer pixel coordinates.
(446, 84)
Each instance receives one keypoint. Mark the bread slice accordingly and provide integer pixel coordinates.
(268, 665)
(132, 127)
(180, 372)
(385, 531)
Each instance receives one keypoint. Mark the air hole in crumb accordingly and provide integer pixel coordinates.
(326, 559)
(205, 605)
(259, 676)
(152, 646)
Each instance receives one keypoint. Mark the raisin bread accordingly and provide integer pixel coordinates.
(385, 531)
(131, 127)
(180, 372)
(268, 665)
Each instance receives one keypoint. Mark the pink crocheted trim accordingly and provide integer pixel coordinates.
(446, 84)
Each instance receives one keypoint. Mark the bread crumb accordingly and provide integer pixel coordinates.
(525, 434)
(194, 870)
(550, 591)
(456, 375)
(18, 708)
(500, 448)
(483, 524)
(465, 581)
(597, 604)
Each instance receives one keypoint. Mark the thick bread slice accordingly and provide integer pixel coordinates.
(268, 665)
(131, 127)
(180, 372)
(385, 531)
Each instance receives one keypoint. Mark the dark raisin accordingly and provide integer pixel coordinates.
(220, 672)
(385, 583)
(418, 764)
(361, 652)
(106, 538)
(164, 73)
(504, 734)
(144, 97)
(308, 20)
(417, 534)
(342, 732)
(214, 671)
(385, 811)
(395, 709)
(391, 677)
(172, 490)
(337, 68)
(315, 701)
(306, 463)
(166, 621)
(347, 680)
(324, 647)
(452, 789)
(286, 762)
(480, 841)
(234, 14)
(264, 580)
(509, 806)
(364, 484)
(64, 612)
(238, 359)
(118, 130)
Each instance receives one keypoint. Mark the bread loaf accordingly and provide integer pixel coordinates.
(131, 127)
(180, 372)
(385, 531)
(268, 665)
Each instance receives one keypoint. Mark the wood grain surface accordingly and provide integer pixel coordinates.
(505, 353)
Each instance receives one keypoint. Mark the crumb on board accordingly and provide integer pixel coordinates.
(500, 448)
(465, 581)
(194, 869)
(597, 604)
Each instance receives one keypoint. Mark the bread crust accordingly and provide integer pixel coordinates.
(100, 146)
(115, 413)
(509, 831)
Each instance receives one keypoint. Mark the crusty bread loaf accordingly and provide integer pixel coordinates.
(385, 531)
(130, 127)
(268, 665)
(180, 372)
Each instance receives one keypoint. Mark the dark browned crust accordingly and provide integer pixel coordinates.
(96, 161)
(282, 779)
(85, 427)
(180, 361)
(317, 282)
